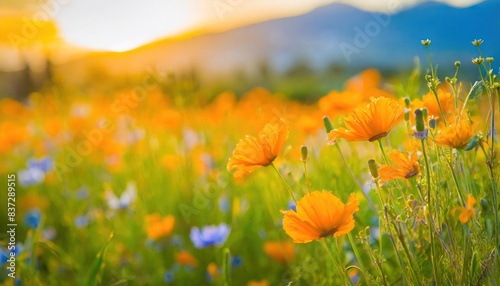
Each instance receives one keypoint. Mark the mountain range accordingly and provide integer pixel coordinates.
(336, 33)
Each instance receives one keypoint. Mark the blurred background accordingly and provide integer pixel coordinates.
(300, 48)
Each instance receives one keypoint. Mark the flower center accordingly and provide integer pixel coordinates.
(409, 175)
(328, 233)
(378, 136)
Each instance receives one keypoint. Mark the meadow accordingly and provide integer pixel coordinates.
(376, 183)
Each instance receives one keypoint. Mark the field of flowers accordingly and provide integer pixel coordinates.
(376, 184)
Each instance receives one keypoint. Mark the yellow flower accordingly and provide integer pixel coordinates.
(320, 214)
(157, 226)
(456, 135)
(406, 166)
(468, 211)
(370, 122)
(281, 251)
(252, 153)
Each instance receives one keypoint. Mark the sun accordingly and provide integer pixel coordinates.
(122, 25)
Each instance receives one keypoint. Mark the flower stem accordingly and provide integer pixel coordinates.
(354, 176)
(383, 151)
(335, 262)
(429, 203)
(284, 182)
(363, 268)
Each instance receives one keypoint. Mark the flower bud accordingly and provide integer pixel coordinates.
(457, 63)
(424, 114)
(426, 42)
(407, 102)
(303, 152)
(489, 60)
(472, 143)
(372, 165)
(328, 124)
(432, 123)
(419, 119)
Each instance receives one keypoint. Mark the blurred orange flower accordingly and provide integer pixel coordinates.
(252, 153)
(186, 258)
(213, 270)
(445, 99)
(371, 122)
(456, 135)
(281, 251)
(320, 214)
(406, 166)
(258, 283)
(157, 227)
(466, 212)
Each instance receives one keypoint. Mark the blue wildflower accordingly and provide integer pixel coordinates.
(32, 218)
(30, 177)
(81, 221)
(236, 261)
(422, 134)
(224, 204)
(209, 235)
(45, 164)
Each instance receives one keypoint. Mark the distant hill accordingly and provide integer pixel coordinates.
(335, 33)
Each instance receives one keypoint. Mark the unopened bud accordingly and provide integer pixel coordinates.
(432, 123)
(457, 63)
(407, 102)
(489, 60)
(372, 165)
(328, 124)
(407, 114)
(419, 119)
(424, 113)
(303, 152)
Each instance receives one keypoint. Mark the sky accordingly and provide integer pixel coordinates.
(121, 25)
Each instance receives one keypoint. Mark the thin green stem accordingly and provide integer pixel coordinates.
(284, 182)
(381, 146)
(354, 176)
(336, 263)
(429, 200)
(358, 256)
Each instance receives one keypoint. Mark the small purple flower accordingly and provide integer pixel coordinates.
(236, 261)
(32, 218)
(209, 235)
(224, 204)
(81, 221)
(45, 164)
(421, 135)
(31, 177)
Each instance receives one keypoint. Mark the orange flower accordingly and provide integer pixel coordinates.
(186, 258)
(213, 270)
(456, 135)
(320, 214)
(157, 226)
(406, 166)
(468, 211)
(258, 283)
(281, 251)
(445, 99)
(371, 122)
(252, 153)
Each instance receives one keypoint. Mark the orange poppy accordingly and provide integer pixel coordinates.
(252, 153)
(456, 135)
(186, 258)
(468, 211)
(280, 251)
(370, 122)
(258, 283)
(406, 166)
(157, 227)
(320, 214)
